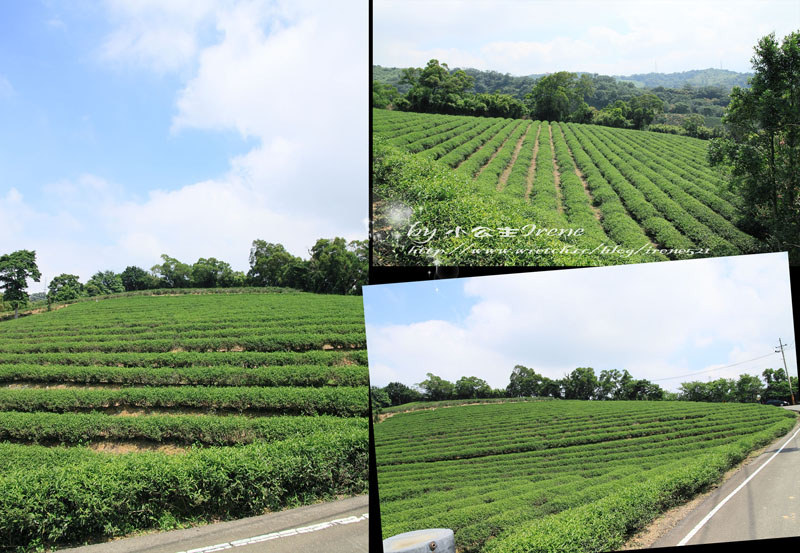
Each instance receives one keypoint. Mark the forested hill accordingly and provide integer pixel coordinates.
(697, 77)
(491, 81)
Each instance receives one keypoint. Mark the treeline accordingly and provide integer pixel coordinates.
(583, 383)
(335, 266)
(561, 96)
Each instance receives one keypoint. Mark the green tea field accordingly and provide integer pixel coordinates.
(460, 190)
(152, 412)
(557, 476)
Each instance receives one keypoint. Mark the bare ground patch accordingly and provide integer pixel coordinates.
(556, 174)
(23, 384)
(532, 168)
(507, 171)
(582, 178)
(478, 150)
(121, 447)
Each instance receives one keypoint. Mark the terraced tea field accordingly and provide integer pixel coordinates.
(557, 475)
(651, 195)
(152, 411)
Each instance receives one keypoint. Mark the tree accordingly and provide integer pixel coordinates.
(436, 388)
(399, 393)
(383, 95)
(644, 108)
(692, 124)
(472, 387)
(762, 146)
(379, 397)
(748, 388)
(721, 390)
(434, 89)
(136, 278)
(172, 273)
(613, 116)
(64, 287)
(270, 264)
(777, 385)
(558, 96)
(551, 388)
(694, 391)
(580, 384)
(15, 270)
(103, 283)
(613, 384)
(211, 273)
(337, 267)
(524, 382)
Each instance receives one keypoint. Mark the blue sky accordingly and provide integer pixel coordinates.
(133, 128)
(657, 320)
(524, 37)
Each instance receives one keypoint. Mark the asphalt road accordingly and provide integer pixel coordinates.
(760, 501)
(335, 527)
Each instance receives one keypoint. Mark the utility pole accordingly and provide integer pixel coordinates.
(789, 378)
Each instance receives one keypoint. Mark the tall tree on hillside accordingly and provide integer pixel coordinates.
(434, 89)
(560, 96)
(643, 109)
(172, 273)
(136, 278)
(748, 388)
(525, 382)
(762, 149)
(272, 265)
(436, 388)
(378, 397)
(64, 287)
(472, 387)
(399, 393)
(383, 95)
(15, 270)
(211, 273)
(338, 267)
(580, 384)
(103, 283)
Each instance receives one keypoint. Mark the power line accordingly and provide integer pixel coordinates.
(715, 368)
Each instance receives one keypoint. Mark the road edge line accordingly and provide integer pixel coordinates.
(278, 535)
(702, 523)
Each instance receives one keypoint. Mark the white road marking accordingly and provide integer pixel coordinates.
(700, 524)
(278, 535)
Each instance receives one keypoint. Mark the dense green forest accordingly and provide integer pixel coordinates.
(696, 78)
(686, 101)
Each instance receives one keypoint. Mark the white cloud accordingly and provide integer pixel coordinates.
(616, 38)
(288, 76)
(158, 35)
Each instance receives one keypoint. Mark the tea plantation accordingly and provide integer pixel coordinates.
(152, 412)
(557, 476)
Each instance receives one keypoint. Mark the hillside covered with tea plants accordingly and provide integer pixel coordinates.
(149, 412)
(462, 190)
(558, 475)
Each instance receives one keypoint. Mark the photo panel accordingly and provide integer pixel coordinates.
(594, 409)
(577, 133)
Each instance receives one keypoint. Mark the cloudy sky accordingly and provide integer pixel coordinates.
(666, 322)
(524, 37)
(132, 128)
